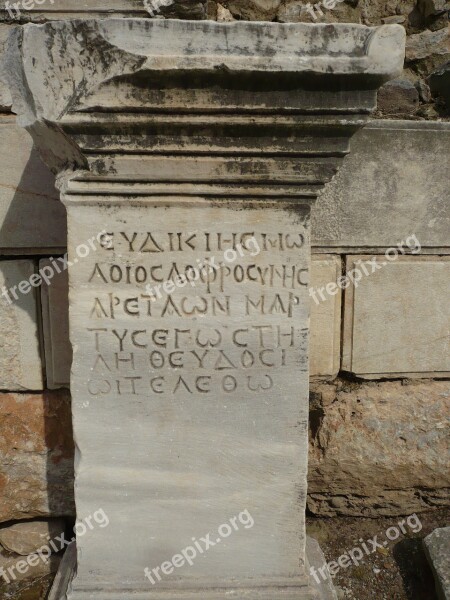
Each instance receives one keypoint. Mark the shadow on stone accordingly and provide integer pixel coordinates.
(418, 580)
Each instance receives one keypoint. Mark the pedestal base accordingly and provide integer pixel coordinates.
(309, 589)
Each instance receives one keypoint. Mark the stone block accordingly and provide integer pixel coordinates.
(26, 537)
(36, 456)
(32, 219)
(379, 449)
(253, 10)
(316, 559)
(393, 184)
(428, 50)
(260, 352)
(398, 97)
(433, 7)
(325, 318)
(185, 9)
(427, 43)
(20, 359)
(23, 580)
(55, 325)
(223, 14)
(396, 319)
(437, 549)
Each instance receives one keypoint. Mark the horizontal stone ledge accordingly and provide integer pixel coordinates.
(81, 192)
(282, 593)
(222, 169)
(405, 124)
(330, 49)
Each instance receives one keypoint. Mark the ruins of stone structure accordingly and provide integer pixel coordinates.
(379, 395)
(188, 156)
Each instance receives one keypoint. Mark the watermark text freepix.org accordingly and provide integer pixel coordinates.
(203, 269)
(188, 555)
(356, 555)
(55, 545)
(365, 268)
(23, 5)
(58, 265)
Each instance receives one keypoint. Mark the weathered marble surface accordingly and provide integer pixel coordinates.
(325, 354)
(325, 325)
(65, 574)
(211, 382)
(255, 59)
(66, 9)
(397, 319)
(5, 95)
(55, 328)
(393, 184)
(20, 356)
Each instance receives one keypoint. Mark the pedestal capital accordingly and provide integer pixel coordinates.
(141, 106)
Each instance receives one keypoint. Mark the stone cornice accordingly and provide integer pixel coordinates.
(262, 100)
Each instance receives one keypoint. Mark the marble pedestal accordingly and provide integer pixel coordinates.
(188, 156)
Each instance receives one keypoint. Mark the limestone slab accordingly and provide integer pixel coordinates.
(317, 560)
(65, 574)
(397, 319)
(55, 328)
(325, 356)
(27, 537)
(437, 548)
(393, 184)
(20, 357)
(32, 219)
